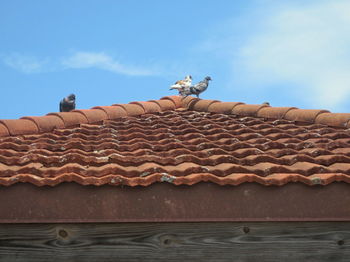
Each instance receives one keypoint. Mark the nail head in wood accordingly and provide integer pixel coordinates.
(246, 230)
(62, 233)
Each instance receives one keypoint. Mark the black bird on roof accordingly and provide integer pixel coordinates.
(68, 103)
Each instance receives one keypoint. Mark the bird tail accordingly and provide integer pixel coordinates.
(175, 87)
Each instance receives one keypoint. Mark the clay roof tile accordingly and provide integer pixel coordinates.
(20, 126)
(248, 110)
(46, 123)
(93, 115)
(3, 130)
(132, 109)
(188, 101)
(227, 143)
(177, 100)
(71, 118)
(149, 107)
(223, 107)
(274, 112)
(201, 105)
(165, 104)
(112, 112)
(303, 115)
(334, 119)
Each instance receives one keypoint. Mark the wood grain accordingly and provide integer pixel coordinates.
(268, 241)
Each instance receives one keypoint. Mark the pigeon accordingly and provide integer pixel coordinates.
(68, 103)
(199, 87)
(181, 85)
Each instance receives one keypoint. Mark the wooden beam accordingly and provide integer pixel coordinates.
(230, 241)
(164, 202)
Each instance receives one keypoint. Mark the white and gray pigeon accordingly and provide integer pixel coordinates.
(68, 103)
(199, 87)
(181, 85)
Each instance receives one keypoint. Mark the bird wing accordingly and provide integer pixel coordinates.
(176, 86)
(180, 82)
(199, 86)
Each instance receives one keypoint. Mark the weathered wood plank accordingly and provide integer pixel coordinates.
(268, 241)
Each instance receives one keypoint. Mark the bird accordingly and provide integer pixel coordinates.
(182, 85)
(200, 87)
(68, 103)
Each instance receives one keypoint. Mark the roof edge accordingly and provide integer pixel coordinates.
(276, 179)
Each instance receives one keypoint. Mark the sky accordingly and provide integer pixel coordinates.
(285, 52)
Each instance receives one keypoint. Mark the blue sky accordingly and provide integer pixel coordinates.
(289, 53)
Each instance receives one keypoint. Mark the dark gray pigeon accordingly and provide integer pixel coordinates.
(199, 87)
(68, 103)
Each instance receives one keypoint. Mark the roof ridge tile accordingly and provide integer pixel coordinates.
(165, 104)
(4, 131)
(223, 107)
(20, 126)
(46, 123)
(274, 112)
(149, 106)
(304, 115)
(71, 118)
(187, 101)
(177, 100)
(334, 119)
(201, 105)
(112, 112)
(132, 109)
(93, 115)
(248, 109)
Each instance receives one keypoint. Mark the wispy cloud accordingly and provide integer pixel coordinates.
(307, 46)
(26, 64)
(78, 60)
(104, 62)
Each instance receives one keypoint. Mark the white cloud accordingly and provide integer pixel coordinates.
(78, 60)
(306, 45)
(309, 46)
(104, 62)
(26, 64)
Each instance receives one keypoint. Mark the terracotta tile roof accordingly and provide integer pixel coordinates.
(179, 142)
